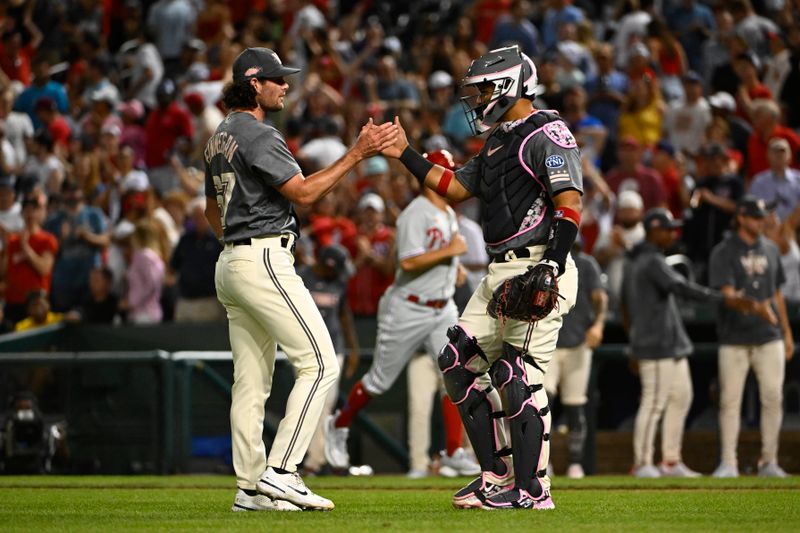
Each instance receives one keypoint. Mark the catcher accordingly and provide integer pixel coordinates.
(528, 180)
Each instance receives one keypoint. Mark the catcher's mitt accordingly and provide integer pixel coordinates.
(529, 296)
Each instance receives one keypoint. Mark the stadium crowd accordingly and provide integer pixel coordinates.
(106, 106)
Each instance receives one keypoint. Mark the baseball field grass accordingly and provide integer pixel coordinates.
(392, 503)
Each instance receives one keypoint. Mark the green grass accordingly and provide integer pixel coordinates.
(190, 503)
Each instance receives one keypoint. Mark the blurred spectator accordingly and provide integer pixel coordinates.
(324, 147)
(133, 133)
(632, 18)
(589, 131)
(777, 66)
(44, 169)
(642, 111)
(42, 86)
(373, 260)
(27, 258)
(165, 125)
(514, 27)
(712, 204)
(10, 210)
(715, 50)
(784, 234)
(669, 57)
(723, 106)
(753, 28)
(611, 246)
(82, 234)
(632, 175)
(558, 12)
(607, 89)
(205, 119)
(100, 305)
(38, 312)
(53, 121)
(328, 227)
(147, 69)
(17, 126)
(193, 262)
(389, 91)
(172, 24)
(748, 69)
(16, 55)
(97, 82)
(665, 161)
(145, 276)
(685, 122)
(766, 127)
(692, 23)
(779, 185)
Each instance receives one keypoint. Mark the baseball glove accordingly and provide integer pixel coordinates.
(528, 297)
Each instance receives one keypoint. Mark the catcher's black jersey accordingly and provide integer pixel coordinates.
(246, 160)
(520, 168)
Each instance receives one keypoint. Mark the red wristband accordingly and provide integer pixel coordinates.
(444, 182)
(571, 214)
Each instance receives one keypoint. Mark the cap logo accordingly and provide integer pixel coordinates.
(554, 161)
(252, 71)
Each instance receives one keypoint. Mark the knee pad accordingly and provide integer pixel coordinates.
(453, 359)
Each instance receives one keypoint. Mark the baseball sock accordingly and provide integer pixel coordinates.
(452, 425)
(356, 400)
(576, 422)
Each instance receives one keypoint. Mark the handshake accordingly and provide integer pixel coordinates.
(749, 306)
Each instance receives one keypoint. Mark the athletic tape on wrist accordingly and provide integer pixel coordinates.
(416, 164)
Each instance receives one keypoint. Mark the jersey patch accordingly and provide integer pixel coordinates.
(559, 133)
(554, 161)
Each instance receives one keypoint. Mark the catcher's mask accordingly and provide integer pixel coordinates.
(494, 82)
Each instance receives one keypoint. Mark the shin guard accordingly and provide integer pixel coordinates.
(479, 408)
(576, 422)
(528, 427)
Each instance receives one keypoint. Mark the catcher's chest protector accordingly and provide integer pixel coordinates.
(512, 199)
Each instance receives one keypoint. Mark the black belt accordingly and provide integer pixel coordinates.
(248, 241)
(519, 253)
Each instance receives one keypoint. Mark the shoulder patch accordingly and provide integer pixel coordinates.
(554, 161)
(559, 133)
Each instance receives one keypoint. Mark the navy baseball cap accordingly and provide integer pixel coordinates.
(660, 218)
(260, 63)
(751, 206)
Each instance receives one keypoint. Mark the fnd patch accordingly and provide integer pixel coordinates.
(554, 161)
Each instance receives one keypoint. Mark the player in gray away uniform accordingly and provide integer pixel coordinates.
(414, 312)
(529, 182)
(659, 342)
(749, 263)
(568, 375)
(251, 181)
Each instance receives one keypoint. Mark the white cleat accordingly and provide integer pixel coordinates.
(290, 487)
(726, 471)
(336, 444)
(458, 464)
(679, 469)
(771, 470)
(575, 471)
(646, 472)
(259, 502)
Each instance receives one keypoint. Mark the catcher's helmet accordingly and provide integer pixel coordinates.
(494, 82)
(443, 158)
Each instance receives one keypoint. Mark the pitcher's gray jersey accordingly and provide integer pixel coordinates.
(422, 227)
(240, 149)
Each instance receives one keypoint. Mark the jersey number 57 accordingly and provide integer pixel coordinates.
(223, 184)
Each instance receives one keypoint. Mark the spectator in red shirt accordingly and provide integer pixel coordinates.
(747, 67)
(766, 114)
(328, 229)
(631, 174)
(665, 162)
(166, 124)
(373, 260)
(58, 127)
(15, 57)
(28, 257)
